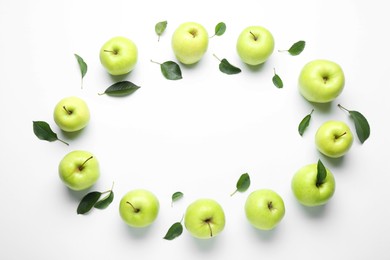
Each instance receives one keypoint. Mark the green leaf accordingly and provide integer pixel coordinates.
(227, 68)
(43, 131)
(176, 196)
(121, 88)
(174, 231)
(220, 29)
(321, 173)
(304, 123)
(277, 80)
(105, 202)
(160, 28)
(243, 183)
(88, 201)
(297, 48)
(361, 124)
(171, 70)
(83, 67)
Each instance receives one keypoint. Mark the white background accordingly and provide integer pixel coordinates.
(196, 135)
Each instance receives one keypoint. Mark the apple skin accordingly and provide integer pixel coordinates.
(190, 42)
(334, 138)
(71, 114)
(78, 171)
(139, 208)
(305, 190)
(204, 218)
(255, 44)
(264, 209)
(321, 81)
(119, 55)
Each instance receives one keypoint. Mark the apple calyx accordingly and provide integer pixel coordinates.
(81, 167)
(115, 52)
(270, 205)
(67, 110)
(193, 32)
(325, 78)
(254, 36)
(208, 221)
(136, 210)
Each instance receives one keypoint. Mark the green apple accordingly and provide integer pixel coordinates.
(264, 209)
(306, 188)
(189, 42)
(71, 114)
(119, 55)
(139, 208)
(255, 44)
(79, 170)
(321, 81)
(334, 138)
(204, 218)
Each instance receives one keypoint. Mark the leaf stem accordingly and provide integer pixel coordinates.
(155, 62)
(233, 192)
(62, 141)
(112, 187)
(217, 57)
(341, 107)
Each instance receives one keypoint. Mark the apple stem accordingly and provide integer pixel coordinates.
(114, 52)
(62, 141)
(337, 137)
(208, 223)
(254, 36)
(82, 165)
(67, 111)
(217, 57)
(135, 210)
(155, 62)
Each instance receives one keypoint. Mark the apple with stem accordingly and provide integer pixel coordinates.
(119, 55)
(313, 185)
(71, 114)
(334, 138)
(189, 42)
(79, 170)
(264, 209)
(204, 218)
(255, 44)
(321, 81)
(139, 208)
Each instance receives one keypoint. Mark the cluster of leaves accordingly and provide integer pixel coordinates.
(94, 200)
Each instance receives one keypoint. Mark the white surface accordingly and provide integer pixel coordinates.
(196, 135)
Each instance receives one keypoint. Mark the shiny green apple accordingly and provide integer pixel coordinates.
(334, 138)
(264, 209)
(71, 114)
(119, 55)
(255, 44)
(305, 188)
(139, 208)
(79, 170)
(204, 218)
(189, 42)
(321, 81)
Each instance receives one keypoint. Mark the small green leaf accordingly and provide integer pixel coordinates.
(296, 48)
(88, 201)
(277, 80)
(176, 196)
(43, 131)
(160, 28)
(174, 231)
(228, 68)
(243, 183)
(304, 123)
(105, 202)
(171, 70)
(321, 173)
(121, 88)
(361, 124)
(220, 29)
(83, 67)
